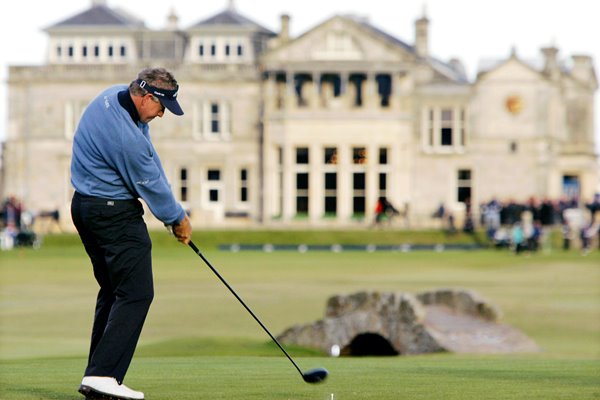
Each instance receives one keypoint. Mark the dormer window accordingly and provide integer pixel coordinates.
(201, 50)
(58, 51)
(213, 50)
(240, 50)
(84, 51)
(110, 51)
(96, 51)
(71, 51)
(227, 50)
(123, 51)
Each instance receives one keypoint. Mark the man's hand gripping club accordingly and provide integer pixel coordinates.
(182, 230)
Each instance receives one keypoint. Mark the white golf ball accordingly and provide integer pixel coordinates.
(335, 350)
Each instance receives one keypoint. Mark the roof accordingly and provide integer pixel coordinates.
(442, 67)
(366, 24)
(230, 17)
(99, 15)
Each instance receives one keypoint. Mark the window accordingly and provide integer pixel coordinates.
(70, 51)
(463, 193)
(302, 193)
(214, 175)
(123, 51)
(213, 50)
(58, 51)
(463, 124)
(96, 51)
(383, 156)
(331, 156)
(571, 186)
(358, 193)
(201, 50)
(213, 187)
(227, 50)
(183, 184)
(302, 155)
(330, 193)
(240, 50)
(430, 129)
(211, 120)
(444, 129)
(110, 51)
(214, 118)
(73, 111)
(359, 155)
(84, 51)
(382, 184)
(244, 185)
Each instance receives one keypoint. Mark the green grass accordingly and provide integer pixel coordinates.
(198, 342)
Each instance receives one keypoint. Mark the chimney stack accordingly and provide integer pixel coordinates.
(422, 36)
(284, 34)
(172, 21)
(583, 69)
(551, 67)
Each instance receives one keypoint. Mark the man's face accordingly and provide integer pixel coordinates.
(150, 108)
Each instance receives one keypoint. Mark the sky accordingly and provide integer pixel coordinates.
(471, 30)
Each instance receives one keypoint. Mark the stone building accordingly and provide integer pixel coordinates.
(310, 130)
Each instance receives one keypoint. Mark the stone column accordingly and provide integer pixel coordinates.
(290, 92)
(344, 183)
(370, 96)
(314, 102)
(270, 91)
(371, 180)
(345, 92)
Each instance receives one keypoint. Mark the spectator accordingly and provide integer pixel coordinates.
(518, 238)
(567, 234)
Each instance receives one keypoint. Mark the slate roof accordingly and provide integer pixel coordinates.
(442, 67)
(230, 17)
(99, 15)
(366, 24)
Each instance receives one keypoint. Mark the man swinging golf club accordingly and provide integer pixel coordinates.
(114, 164)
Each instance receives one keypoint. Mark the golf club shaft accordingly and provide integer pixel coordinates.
(193, 246)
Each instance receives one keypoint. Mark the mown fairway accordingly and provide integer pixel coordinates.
(199, 343)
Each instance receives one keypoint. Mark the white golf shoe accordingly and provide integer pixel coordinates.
(103, 387)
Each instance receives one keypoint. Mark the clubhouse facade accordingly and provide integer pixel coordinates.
(309, 130)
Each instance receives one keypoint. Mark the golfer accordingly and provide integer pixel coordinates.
(114, 164)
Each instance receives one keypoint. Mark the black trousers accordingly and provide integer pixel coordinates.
(116, 239)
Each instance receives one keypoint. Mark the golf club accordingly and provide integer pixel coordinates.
(312, 376)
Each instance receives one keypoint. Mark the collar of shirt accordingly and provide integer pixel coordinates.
(126, 102)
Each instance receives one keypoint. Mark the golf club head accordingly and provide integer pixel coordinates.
(315, 375)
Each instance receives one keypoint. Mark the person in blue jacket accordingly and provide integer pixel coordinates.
(114, 164)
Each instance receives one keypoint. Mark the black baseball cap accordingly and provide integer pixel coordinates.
(167, 97)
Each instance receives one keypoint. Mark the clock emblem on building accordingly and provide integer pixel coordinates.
(514, 104)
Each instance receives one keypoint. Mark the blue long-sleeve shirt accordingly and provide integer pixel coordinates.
(113, 158)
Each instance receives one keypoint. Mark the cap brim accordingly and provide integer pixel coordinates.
(172, 105)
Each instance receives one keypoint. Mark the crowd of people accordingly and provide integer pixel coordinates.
(521, 226)
(16, 225)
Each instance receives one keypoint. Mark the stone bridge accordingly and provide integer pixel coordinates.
(373, 323)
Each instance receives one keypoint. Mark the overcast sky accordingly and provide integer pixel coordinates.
(471, 30)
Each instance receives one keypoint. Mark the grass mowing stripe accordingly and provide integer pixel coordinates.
(247, 378)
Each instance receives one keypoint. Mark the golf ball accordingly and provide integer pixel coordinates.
(335, 350)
